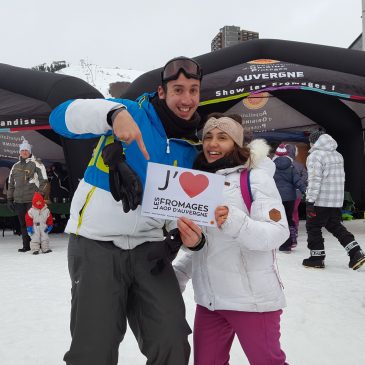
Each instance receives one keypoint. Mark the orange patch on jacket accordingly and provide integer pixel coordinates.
(275, 215)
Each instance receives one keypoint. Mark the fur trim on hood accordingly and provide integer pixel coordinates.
(259, 149)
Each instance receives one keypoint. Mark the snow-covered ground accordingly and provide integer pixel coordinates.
(323, 323)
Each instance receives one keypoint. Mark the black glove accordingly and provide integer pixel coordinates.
(166, 253)
(10, 204)
(124, 183)
(310, 210)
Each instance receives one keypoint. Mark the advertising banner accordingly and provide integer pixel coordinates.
(269, 75)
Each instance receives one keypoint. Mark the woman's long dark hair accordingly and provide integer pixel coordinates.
(239, 155)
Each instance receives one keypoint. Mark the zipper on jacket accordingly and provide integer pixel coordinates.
(82, 212)
(167, 146)
(276, 268)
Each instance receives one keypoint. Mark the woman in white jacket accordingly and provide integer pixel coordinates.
(237, 287)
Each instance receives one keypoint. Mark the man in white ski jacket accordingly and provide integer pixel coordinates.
(324, 199)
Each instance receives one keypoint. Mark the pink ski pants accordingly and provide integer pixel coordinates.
(258, 333)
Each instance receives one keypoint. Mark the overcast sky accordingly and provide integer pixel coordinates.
(144, 34)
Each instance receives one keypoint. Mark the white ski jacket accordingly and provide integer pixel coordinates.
(39, 217)
(236, 269)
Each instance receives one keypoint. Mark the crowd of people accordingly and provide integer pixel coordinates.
(120, 262)
(29, 187)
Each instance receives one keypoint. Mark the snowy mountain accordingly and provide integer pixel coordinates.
(102, 77)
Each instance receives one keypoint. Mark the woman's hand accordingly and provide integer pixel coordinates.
(190, 233)
(221, 214)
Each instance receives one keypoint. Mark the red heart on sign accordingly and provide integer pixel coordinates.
(192, 184)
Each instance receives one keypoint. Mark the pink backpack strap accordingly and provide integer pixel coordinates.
(246, 188)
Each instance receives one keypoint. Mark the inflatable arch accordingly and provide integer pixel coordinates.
(26, 100)
(284, 88)
(281, 88)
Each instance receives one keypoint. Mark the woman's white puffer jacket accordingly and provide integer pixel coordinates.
(237, 269)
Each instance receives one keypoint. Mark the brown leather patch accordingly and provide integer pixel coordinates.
(275, 215)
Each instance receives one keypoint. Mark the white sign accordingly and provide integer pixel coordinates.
(172, 192)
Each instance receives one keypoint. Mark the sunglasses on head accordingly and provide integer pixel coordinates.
(189, 67)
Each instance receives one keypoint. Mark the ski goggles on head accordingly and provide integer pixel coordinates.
(189, 67)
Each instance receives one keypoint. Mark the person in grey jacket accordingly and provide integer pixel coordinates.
(236, 285)
(324, 199)
(27, 176)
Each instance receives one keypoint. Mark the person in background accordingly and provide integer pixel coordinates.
(236, 285)
(117, 258)
(39, 223)
(324, 200)
(27, 176)
(59, 187)
(287, 181)
(302, 171)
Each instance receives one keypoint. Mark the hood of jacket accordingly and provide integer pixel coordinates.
(38, 201)
(259, 149)
(283, 162)
(324, 143)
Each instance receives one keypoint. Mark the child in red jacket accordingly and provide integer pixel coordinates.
(39, 223)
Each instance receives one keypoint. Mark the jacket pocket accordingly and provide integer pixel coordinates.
(265, 285)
